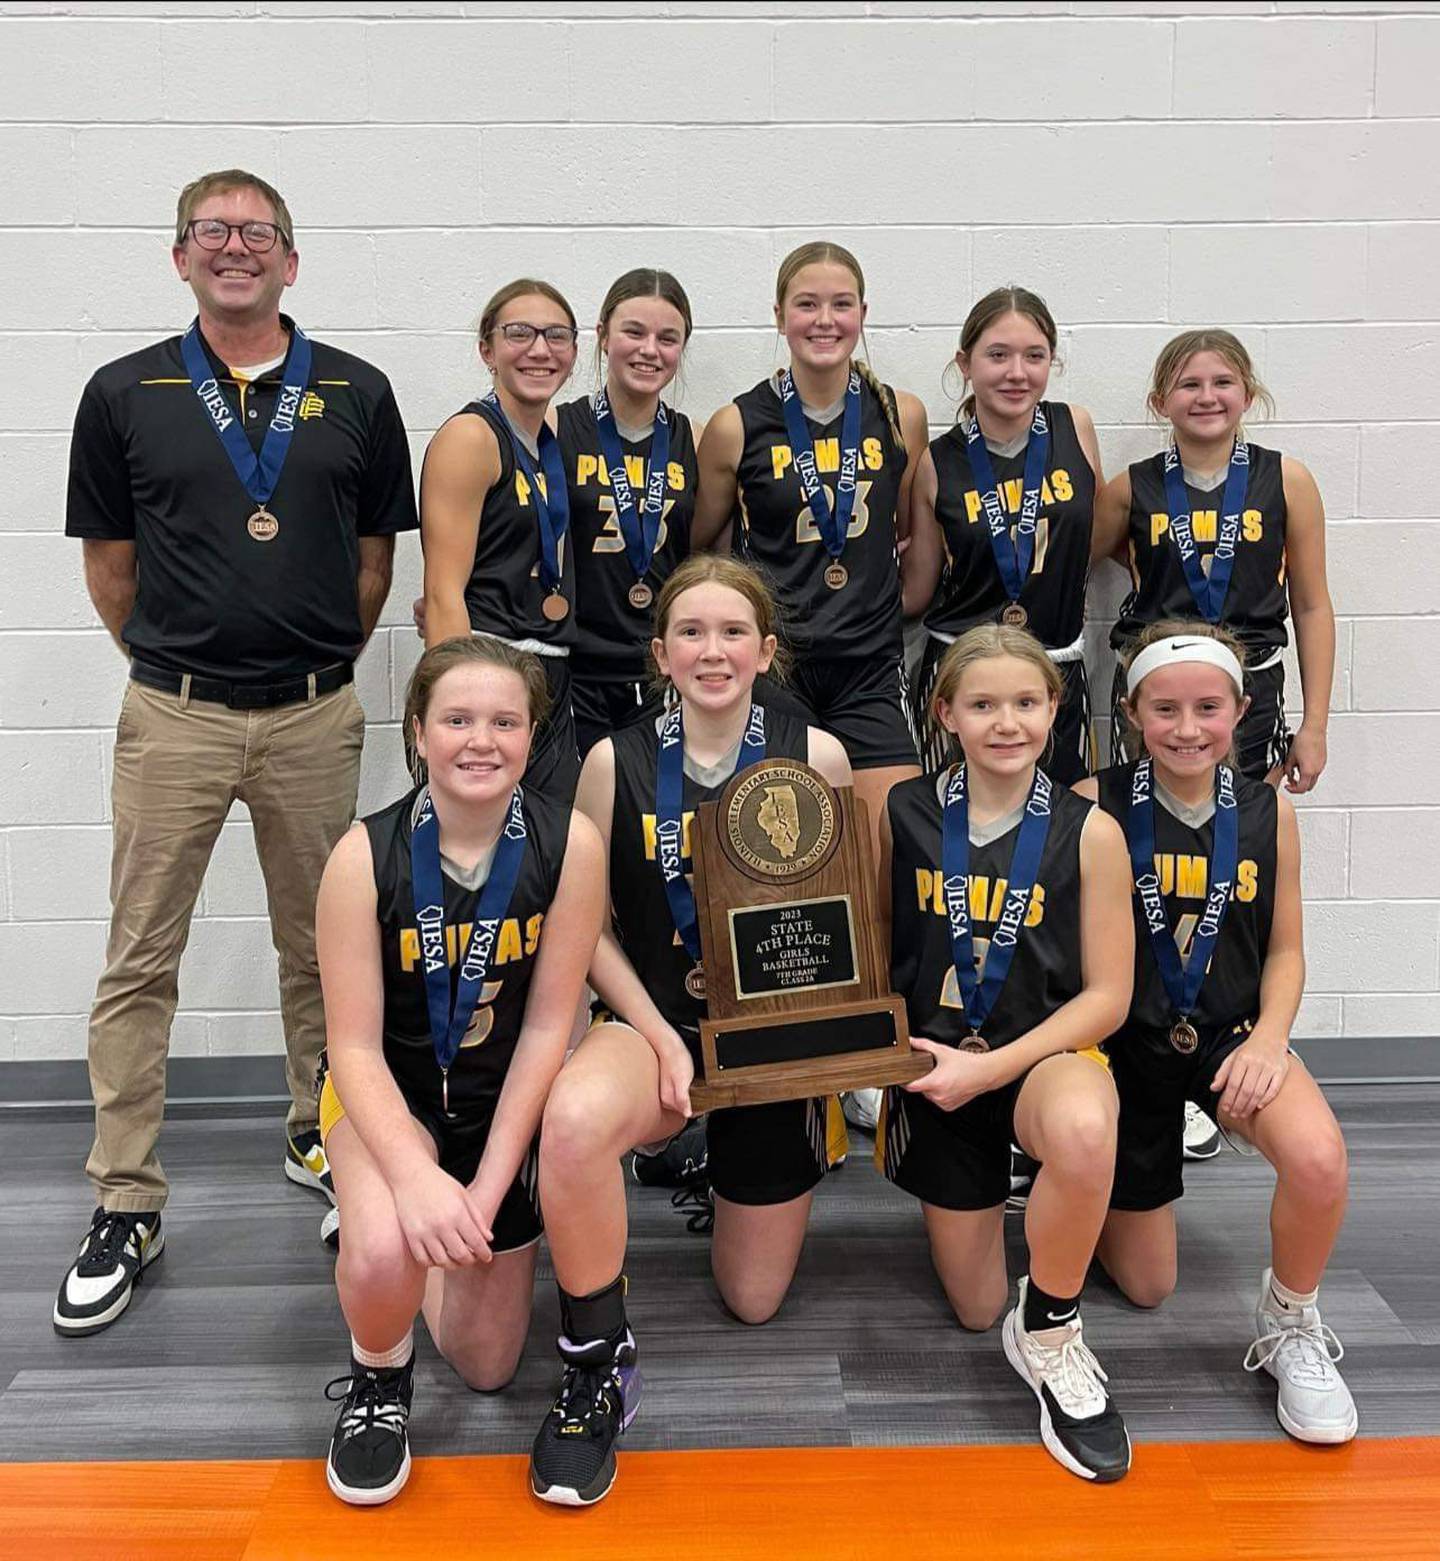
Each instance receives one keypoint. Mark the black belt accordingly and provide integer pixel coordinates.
(246, 696)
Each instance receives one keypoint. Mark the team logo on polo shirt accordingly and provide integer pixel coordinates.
(311, 405)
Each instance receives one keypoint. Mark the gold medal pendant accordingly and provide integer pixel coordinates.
(837, 576)
(1184, 1037)
(263, 526)
(695, 983)
(1014, 615)
(555, 608)
(641, 596)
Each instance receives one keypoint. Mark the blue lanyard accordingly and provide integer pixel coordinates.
(833, 525)
(1209, 594)
(670, 814)
(978, 996)
(258, 474)
(447, 1024)
(1012, 559)
(551, 501)
(639, 530)
(1182, 983)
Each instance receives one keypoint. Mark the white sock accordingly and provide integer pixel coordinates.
(1284, 1300)
(385, 1360)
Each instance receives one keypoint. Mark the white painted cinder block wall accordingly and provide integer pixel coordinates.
(1144, 166)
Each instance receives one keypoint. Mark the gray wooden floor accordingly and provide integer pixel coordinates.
(227, 1346)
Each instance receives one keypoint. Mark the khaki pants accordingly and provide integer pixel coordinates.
(179, 764)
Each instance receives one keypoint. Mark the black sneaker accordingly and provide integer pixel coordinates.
(1079, 1423)
(305, 1162)
(369, 1460)
(681, 1163)
(697, 1203)
(573, 1460)
(117, 1249)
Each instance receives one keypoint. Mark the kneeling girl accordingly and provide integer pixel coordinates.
(1219, 973)
(627, 1083)
(454, 929)
(1012, 946)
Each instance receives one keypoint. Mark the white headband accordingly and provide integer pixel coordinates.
(1167, 653)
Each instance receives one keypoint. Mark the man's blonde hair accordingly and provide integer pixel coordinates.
(220, 183)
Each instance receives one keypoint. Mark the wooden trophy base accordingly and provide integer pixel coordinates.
(792, 1056)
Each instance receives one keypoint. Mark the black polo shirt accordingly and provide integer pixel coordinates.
(147, 466)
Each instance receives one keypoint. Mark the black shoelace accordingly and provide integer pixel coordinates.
(697, 1205)
(587, 1395)
(106, 1245)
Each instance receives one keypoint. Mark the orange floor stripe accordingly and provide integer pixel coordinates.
(1211, 1500)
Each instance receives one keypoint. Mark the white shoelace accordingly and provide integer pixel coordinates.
(1072, 1374)
(1305, 1352)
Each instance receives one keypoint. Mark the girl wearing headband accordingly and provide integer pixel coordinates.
(1010, 943)
(1220, 529)
(1219, 973)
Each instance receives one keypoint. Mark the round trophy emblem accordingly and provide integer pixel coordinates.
(779, 820)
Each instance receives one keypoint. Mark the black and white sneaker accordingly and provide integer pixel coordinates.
(1079, 1423)
(369, 1460)
(305, 1162)
(681, 1163)
(116, 1251)
(572, 1462)
(1023, 1171)
(1201, 1138)
(330, 1229)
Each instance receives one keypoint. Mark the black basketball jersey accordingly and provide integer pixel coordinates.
(1231, 990)
(613, 637)
(504, 593)
(971, 590)
(1046, 971)
(640, 909)
(777, 533)
(1255, 604)
(485, 1053)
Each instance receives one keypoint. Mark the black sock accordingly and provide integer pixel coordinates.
(1047, 1311)
(599, 1315)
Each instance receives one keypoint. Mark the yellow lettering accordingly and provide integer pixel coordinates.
(648, 825)
(1247, 881)
(1204, 524)
(1191, 875)
(508, 945)
(635, 470)
(1159, 525)
(675, 476)
(532, 932)
(972, 506)
(872, 454)
(586, 467)
(780, 460)
(1252, 525)
(827, 455)
(927, 887)
(1061, 486)
(409, 948)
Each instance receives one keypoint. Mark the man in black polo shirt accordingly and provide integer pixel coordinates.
(238, 490)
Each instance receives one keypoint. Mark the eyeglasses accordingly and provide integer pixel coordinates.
(257, 237)
(522, 335)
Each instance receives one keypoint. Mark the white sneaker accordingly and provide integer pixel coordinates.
(1079, 1423)
(1202, 1137)
(862, 1108)
(1300, 1352)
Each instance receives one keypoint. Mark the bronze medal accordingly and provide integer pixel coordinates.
(837, 576)
(1184, 1037)
(1014, 615)
(555, 608)
(695, 983)
(641, 596)
(973, 1043)
(262, 525)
